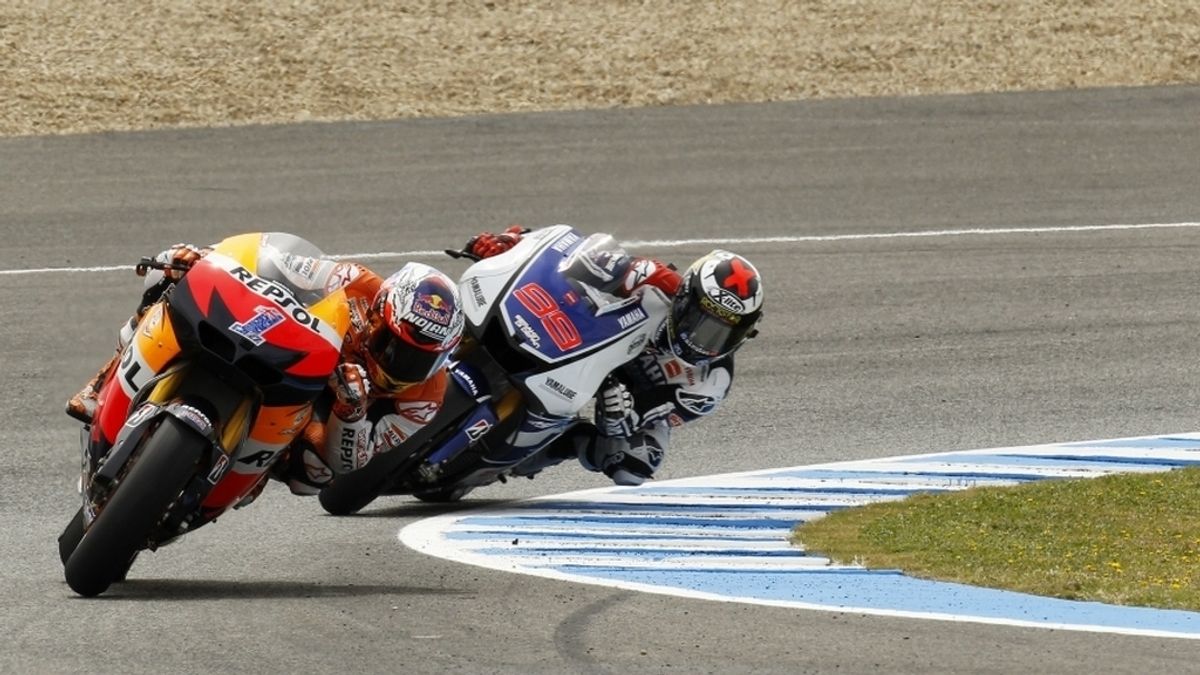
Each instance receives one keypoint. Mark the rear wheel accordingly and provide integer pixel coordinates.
(159, 474)
(352, 492)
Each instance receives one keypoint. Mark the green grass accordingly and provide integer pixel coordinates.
(1128, 539)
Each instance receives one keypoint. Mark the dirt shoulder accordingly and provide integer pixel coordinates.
(84, 65)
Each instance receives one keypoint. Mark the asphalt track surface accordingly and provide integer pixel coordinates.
(874, 347)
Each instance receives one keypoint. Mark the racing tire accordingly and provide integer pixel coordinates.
(69, 539)
(159, 474)
(352, 492)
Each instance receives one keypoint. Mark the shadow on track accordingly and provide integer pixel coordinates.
(211, 589)
(419, 509)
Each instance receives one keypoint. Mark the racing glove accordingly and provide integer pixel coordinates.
(351, 389)
(486, 244)
(615, 413)
(178, 258)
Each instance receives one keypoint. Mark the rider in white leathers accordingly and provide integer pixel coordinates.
(679, 377)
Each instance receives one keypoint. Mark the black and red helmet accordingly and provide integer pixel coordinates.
(417, 323)
(716, 308)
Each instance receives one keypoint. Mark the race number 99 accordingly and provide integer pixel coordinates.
(557, 324)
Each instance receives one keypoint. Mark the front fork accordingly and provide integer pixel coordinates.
(176, 392)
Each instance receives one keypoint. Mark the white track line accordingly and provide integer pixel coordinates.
(677, 243)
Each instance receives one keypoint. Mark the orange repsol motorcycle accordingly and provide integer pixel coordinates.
(221, 373)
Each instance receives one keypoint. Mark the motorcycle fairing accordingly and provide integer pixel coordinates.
(473, 427)
(214, 291)
(570, 341)
(267, 389)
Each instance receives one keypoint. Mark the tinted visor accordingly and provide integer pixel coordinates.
(705, 333)
(394, 363)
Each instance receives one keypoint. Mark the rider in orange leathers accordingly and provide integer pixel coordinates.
(389, 383)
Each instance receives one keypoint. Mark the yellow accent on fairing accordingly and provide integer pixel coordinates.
(155, 338)
(278, 425)
(333, 309)
(165, 388)
(507, 404)
(235, 429)
(242, 248)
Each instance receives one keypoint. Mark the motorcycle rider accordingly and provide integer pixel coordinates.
(402, 332)
(681, 376)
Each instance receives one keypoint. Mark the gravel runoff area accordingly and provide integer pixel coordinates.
(69, 66)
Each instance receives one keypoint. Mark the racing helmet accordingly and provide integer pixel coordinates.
(416, 322)
(716, 308)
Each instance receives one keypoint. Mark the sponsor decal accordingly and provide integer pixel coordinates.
(392, 435)
(462, 374)
(264, 319)
(561, 389)
(352, 447)
(636, 345)
(280, 295)
(432, 306)
(425, 308)
(359, 319)
(141, 415)
(527, 330)
(726, 307)
(218, 469)
(316, 470)
(674, 420)
(567, 241)
(698, 404)
(477, 292)
(637, 276)
(193, 416)
(421, 412)
(343, 275)
(425, 325)
(259, 459)
(302, 265)
(631, 318)
(649, 367)
(478, 429)
(678, 371)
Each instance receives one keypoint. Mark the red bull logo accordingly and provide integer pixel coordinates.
(433, 307)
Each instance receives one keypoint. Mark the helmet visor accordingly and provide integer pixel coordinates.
(707, 331)
(393, 363)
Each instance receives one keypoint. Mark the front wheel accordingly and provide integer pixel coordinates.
(123, 527)
(69, 539)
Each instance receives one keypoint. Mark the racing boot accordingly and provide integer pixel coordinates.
(82, 406)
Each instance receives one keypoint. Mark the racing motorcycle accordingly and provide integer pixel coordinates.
(220, 375)
(540, 339)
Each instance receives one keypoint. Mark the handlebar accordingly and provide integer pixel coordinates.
(146, 264)
(454, 253)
